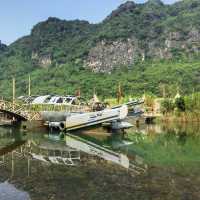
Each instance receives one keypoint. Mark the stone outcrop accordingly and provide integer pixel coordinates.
(188, 42)
(106, 56)
(109, 55)
(42, 60)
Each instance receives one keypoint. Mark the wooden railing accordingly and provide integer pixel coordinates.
(32, 111)
(19, 110)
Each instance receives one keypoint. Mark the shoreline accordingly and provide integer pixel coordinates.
(179, 118)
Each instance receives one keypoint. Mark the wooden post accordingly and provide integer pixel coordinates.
(119, 93)
(94, 91)
(78, 92)
(13, 84)
(193, 91)
(29, 164)
(29, 85)
(163, 91)
(12, 164)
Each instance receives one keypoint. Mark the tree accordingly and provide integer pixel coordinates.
(167, 106)
(180, 104)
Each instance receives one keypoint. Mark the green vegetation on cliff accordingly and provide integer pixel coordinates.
(163, 41)
(147, 76)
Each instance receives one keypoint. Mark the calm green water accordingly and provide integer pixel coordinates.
(171, 151)
(176, 145)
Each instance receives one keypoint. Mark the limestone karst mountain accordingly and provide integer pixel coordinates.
(131, 37)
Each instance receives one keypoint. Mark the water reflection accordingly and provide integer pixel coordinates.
(50, 148)
(174, 128)
(40, 164)
(157, 144)
(171, 144)
(29, 147)
(43, 163)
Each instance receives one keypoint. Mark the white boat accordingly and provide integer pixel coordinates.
(73, 121)
(71, 112)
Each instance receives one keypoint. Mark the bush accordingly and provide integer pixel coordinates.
(167, 106)
(180, 104)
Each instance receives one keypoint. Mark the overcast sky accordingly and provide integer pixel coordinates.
(17, 17)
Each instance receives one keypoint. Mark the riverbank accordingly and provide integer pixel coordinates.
(185, 117)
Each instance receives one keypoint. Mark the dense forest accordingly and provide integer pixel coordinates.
(144, 47)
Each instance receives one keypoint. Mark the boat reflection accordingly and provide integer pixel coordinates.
(31, 148)
(96, 150)
(51, 149)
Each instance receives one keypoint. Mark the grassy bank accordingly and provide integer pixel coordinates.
(184, 117)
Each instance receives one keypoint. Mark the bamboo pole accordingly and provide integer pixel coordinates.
(29, 85)
(13, 87)
(94, 91)
(164, 91)
(193, 91)
(119, 93)
(12, 164)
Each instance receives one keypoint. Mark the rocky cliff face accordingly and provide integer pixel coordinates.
(106, 56)
(42, 60)
(146, 31)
